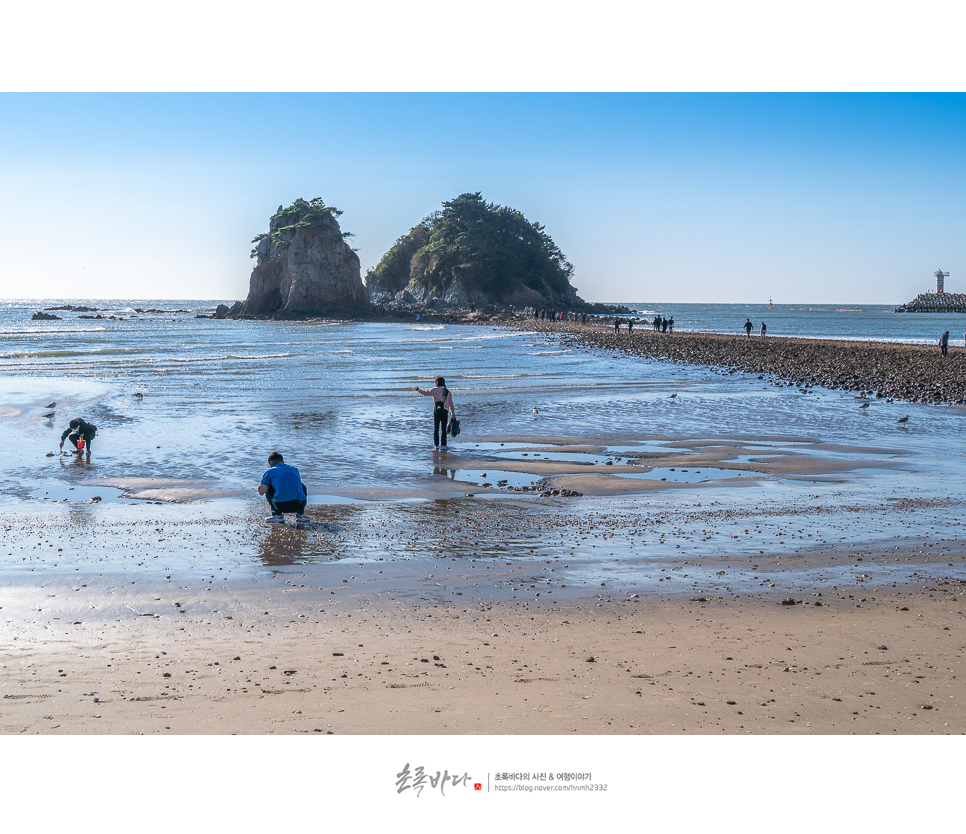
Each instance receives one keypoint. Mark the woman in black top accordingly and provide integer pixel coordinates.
(79, 428)
(442, 400)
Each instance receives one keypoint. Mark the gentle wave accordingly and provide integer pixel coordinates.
(501, 376)
(52, 331)
(228, 356)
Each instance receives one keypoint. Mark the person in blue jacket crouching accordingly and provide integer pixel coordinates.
(283, 489)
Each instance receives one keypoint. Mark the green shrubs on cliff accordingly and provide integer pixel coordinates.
(483, 247)
(300, 214)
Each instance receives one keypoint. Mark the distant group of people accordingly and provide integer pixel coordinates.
(660, 325)
(555, 315)
(748, 326)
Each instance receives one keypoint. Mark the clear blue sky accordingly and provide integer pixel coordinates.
(652, 197)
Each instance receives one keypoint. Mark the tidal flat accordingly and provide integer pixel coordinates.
(616, 543)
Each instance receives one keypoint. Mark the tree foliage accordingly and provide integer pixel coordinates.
(301, 214)
(482, 246)
(392, 274)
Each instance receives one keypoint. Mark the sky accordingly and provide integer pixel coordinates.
(730, 197)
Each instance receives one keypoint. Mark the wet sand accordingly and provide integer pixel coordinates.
(495, 614)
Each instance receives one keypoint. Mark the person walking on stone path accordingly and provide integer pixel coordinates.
(748, 326)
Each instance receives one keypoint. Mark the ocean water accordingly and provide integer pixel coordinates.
(337, 400)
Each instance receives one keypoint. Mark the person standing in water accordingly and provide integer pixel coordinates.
(77, 430)
(442, 401)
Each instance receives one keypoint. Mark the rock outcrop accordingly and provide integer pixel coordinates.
(305, 269)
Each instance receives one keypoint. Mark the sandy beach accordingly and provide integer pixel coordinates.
(819, 638)
(889, 664)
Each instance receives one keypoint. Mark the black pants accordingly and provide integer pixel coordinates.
(296, 505)
(440, 419)
(88, 440)
(944, 349)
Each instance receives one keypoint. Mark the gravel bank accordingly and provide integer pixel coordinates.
(916, 373)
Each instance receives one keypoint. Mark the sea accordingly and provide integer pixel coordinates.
(188, 408)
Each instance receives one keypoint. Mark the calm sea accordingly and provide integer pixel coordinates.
(337, 399)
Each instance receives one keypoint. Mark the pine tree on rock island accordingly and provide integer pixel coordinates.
(474, 252)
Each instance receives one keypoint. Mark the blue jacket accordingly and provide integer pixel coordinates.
(285, 482)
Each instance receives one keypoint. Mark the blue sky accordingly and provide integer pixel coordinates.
(653, 197)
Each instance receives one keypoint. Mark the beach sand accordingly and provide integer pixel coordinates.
(465, 616)
(890, 665)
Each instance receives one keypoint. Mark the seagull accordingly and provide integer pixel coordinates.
(672, 396)
(137, 394)
(50, 405)
(903, 419)
(535, 411)
(864, 405)
(49, 414)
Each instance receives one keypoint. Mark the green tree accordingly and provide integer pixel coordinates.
(482, 246)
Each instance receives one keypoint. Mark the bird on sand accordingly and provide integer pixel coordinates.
(137, 394)
(864, 405)
(50, 405)
(672, 396)
(49, 414)
(535, 411)
(903, 419)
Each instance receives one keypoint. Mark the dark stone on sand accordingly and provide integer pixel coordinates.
(915, 373)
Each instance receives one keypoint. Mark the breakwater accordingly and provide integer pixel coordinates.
(934, 302)
(916, 373)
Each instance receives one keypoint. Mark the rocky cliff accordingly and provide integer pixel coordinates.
(304, 268)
